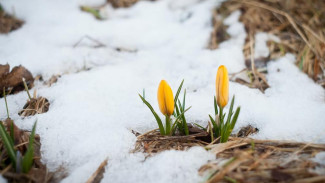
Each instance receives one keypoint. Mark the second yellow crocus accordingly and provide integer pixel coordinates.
(222, 86)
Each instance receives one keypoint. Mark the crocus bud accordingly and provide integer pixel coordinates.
(165, 98)
(222, 86)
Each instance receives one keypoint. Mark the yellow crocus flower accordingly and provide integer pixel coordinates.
(222, 86)
(165, 98)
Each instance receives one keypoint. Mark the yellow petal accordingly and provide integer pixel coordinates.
(165, 98)
(222, 86)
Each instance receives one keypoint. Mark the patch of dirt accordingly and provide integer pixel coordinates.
(13, 81)
(8, 22)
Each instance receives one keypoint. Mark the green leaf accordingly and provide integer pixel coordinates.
(200, 126)
(232, 124)
(144, 93)
(215, 106)
(184, 123)
(179, 116)
(178, 91)
(160, 125)
(230, 109)
(184, 99)
(176, 112)
(9, 145)
(27, 161)
(234, 119)
(12, 133)
(215, 127)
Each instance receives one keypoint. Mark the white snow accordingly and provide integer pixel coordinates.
(92, 112)
(319, 158)
(260, 48)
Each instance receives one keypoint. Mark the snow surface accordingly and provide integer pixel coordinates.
(92, 112)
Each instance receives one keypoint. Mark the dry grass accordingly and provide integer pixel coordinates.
(299, 24)
(35, 106)
(250, 160)
(38, 173)
(98, 175)
(243, 159)
(152, 142)
(122, 3)
(8, 22)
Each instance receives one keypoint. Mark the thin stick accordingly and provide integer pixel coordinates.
(26, 88)
(251, 40)
(99, 44)
(147, 133)
(4, 95)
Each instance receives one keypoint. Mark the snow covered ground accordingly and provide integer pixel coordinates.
(92, 112)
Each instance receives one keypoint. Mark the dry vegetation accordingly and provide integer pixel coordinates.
(38, 172)
(249, 160)
(12, 80)
(299, 24)
(243, 159)
(8, 22)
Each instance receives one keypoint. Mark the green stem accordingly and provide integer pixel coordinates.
(26, 88)
(168, 125)
(4, 95)
(221, 125)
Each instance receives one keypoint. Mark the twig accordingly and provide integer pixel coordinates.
(97, 176)
(99, 44)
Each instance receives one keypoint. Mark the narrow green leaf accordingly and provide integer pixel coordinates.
(231, 109)
(8, 144)
(178, 117)
(180, 106)
(173, 127)
(215, 127)
(232, 124)
(178, 91)
(200, 126)
(176, 112)
(215, 106)
(160, 125)
(184, 99)
(234, 119)
(27, 161)
(144, 93)
(12, 132)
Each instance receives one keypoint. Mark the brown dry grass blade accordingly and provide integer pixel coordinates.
(35, 106)
(97, 176)
(229, 167)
